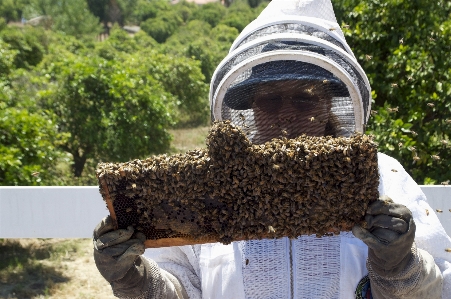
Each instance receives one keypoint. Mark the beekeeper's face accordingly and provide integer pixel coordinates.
(282, 109)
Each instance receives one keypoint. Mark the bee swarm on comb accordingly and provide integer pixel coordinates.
(234, 190)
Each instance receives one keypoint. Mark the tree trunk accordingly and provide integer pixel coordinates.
(79, 164)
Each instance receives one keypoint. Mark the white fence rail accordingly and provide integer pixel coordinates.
(73, 212)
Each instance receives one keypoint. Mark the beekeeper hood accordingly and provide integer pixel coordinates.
(293, 55)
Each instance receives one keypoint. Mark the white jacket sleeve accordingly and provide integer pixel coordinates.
(183, 263)
(433, 262)
(420, 279)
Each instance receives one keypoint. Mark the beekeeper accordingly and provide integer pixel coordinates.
(291, 72)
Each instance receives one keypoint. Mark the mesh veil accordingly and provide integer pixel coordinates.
(291, 72)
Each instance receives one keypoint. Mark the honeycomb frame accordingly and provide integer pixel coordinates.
(234, 190)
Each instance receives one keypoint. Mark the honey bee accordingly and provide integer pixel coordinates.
(435, 157)
(412, 148)
(409, 78)
(448, 121)
(401, 40)
(332, 29)
(439, 211)
(243, 188)
(400, 145)
(413, 133)
(431, 105)
(128, 210)
(368, 57)
(345, 25)
(242, 117)
(444, 142)
(394, 85)
(396, 109)
(427, 212)
(394, 170)
(247, 262)
(445, 183)
(312, 119)
(373, 112)
(36, 173)
(448, 249)
(431, 38)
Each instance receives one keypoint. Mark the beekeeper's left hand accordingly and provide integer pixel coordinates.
(389, 235)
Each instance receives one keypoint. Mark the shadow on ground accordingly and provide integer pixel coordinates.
(30, 268)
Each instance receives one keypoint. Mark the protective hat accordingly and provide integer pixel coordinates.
(298, 41)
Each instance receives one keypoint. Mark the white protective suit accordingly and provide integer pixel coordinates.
(307, 267)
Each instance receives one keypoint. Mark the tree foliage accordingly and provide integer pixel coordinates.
(11, 10)
(63, 92)
(403, 46)
(239, 14)
(28, 135)
(69, 16)
(27, 43)
(110, 110)
(163, 26)
(27, 148)
(210, 13)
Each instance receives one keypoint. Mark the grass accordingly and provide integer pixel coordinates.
(32, 267)
(50, 268)
(64, 268)
(187, 139)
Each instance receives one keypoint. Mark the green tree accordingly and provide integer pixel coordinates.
(163, 26)
(28, 152)
(11, 10)
(28, 136)
(403, 47)
(199, 41)
(109, 109)
(69, 16)
(193, 41)
(27, 43)
(73, 17)
(212, 13)
(146, 9)
(144, 41)
(7, 58)
(239, 14)
(181, 77)
(185, 10)
(110, 11)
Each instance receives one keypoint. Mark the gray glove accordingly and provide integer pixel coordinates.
(117, 257)
(390, 235)
(117, 254)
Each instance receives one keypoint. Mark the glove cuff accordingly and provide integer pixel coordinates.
(142, 281)
(392, 268)
(402, 278)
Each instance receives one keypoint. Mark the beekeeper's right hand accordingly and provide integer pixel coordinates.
(117, 254)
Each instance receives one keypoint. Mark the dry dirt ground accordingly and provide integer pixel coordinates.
(50, 268)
